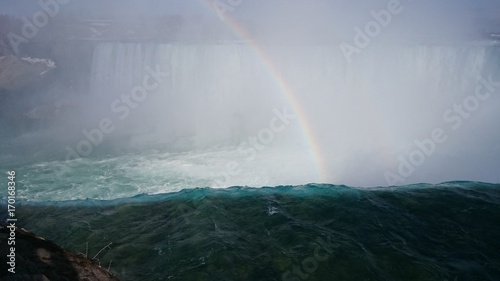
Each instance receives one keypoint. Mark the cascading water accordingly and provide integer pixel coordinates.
(252, 140)
(164, 119)
(370, 106)
(219, 115)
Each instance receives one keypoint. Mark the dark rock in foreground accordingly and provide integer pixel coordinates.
(39, 259)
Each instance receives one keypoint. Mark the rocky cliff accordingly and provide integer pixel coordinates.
(40, 259)
(17, 73)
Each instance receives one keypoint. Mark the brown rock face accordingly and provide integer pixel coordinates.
(18, 73)
(39, 259)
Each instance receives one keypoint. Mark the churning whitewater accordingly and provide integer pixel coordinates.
(165, 117)
(282, 140)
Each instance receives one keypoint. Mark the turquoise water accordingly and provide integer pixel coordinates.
(143, 189)
(312, 232)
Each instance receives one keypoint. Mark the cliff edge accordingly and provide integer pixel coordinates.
(42, 260)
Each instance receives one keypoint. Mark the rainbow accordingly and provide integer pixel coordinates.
(285, 89)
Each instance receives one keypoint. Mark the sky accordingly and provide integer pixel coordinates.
(424, 18)
(254, 8)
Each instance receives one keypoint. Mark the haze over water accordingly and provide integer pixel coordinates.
(367, 91)
(256, 140)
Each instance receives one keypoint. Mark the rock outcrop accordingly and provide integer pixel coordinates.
(42, 260)
(17, 73)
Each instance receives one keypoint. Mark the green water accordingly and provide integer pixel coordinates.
(313, 232)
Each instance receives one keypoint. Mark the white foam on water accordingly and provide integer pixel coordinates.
(161, 172)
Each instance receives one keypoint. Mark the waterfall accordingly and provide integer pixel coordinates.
(372, 107)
